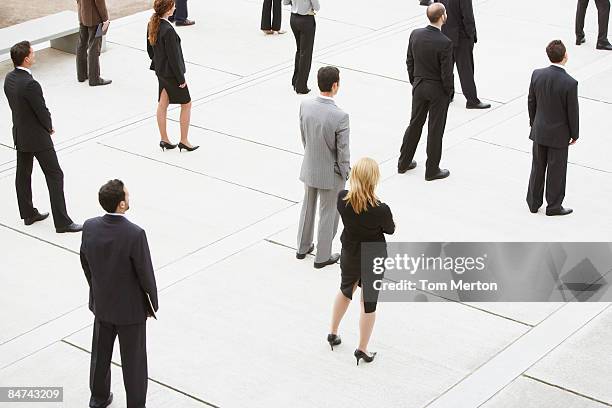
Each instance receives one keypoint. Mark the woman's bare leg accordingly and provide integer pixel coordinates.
(341, 304)
(162, 113)
(185, 120)
(366, 326)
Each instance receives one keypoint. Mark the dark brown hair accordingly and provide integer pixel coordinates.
(19, 52)
(556, 51)
(111, 194)
(160, 7)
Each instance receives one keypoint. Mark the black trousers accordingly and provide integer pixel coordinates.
(133, 345)
(603, 11)
(303, 28)
(49, 164)
(548, 164)
(180, 13)
(463, 54)
(88, 54)
(271, 8)
(428, 98)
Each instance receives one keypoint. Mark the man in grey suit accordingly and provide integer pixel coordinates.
(325, 168)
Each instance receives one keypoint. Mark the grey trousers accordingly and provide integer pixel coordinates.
(328, 220)
(88, 55)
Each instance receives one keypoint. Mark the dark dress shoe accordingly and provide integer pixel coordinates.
(604, 46)
(183, 23)
(411, 166)
(477, 105)
(70, 228)
(534, 210)
(334, 258)
(302, 256)
(443, 173)
(425, 2)
(101, 82)
(105, 403)
(35, 218)
(580, 40)
(82, 79)
(559, 211)
(304, 92)
(333, 340)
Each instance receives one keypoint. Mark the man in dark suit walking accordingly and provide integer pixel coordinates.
(430, 70)
(91, 14)
(32, 130)
(603, 17)
(122, 294)
(553, 117)
(461, 29)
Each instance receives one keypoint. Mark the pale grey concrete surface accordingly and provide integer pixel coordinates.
(241, 322)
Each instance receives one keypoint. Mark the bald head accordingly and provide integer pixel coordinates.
(435, 12)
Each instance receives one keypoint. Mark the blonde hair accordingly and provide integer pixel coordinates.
(364, 178)
(161, 7)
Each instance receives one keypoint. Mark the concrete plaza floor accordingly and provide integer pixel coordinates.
(241, 322)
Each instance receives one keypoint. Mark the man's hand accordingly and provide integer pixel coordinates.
(183, 85)
(572, 142)
(105, 25)
(52, 131)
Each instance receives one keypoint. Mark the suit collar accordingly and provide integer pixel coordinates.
(24, 70)
(113, 219)
(433, 28)
(326, 100)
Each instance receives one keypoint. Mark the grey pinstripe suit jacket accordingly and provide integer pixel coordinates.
(325, 136)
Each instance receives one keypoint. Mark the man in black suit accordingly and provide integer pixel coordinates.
(122, 294)
(461, 29)
(430, 70)
(603, 12)
(553, 117)
(32, 130)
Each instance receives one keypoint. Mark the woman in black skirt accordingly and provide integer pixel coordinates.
(164, 48)
(365, 219)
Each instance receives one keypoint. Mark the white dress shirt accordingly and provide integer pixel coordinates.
(303, 7)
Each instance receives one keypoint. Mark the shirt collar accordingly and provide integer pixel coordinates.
(25, 69)
(326, 97)
(116, 214)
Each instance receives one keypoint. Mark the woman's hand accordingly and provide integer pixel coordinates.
(183, 85)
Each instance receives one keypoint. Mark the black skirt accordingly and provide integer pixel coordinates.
(176, 94)
(351, 274)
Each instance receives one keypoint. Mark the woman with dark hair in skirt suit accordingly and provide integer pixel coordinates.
(365, 219)
(164, 48)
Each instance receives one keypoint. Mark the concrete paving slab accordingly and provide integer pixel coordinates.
(527, 393)
(173, 205)
(286, 365)
(387, 55)
(592, 148)
(376, 132)
(25, 302)
(6, 154)
(229, 38)
(583, 363)
(63, 365)
(262, 175)
(78, 109)
(596, 87)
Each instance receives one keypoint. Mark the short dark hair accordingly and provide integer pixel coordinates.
(19, 52)
(111, 194)
(326, 77)
(435, 12)
(556, 51)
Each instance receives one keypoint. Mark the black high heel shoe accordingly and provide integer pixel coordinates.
(182, 146)
(361, 355)
(166, 145)
(333, 340)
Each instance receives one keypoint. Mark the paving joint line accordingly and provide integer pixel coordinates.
(567, 390)
(158, 382)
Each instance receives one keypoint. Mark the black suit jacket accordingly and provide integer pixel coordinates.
(461, 21)
(117, 264)
(31, 119)
(553, 107)
(167, 55)
(430, 57)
